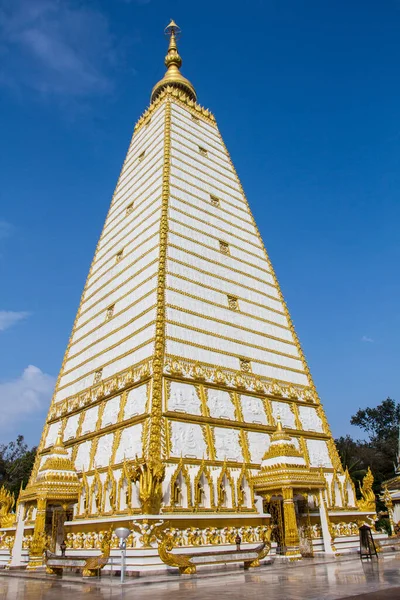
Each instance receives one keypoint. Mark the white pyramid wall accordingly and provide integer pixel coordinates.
(200, 325)
(128, 337)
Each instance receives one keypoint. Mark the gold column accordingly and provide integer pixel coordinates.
(39, 541)
(155, 444)
(292, 540)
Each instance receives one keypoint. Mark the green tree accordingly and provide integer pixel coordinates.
(379, 450)
(16, 462)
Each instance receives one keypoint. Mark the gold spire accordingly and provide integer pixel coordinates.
(173, 62)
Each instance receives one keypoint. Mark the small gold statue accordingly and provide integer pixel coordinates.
(221, 494)
(176, 494)
(199, 494)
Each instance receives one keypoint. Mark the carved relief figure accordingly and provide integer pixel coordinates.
(187, 440)
(227, 444)
(220, 404)
(253, 410)
(184, 398)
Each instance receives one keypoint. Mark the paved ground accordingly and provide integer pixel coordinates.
(379, 580)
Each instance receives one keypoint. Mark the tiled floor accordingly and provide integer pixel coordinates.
(330, 581)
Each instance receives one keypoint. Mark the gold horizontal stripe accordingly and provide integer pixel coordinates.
(233, 340)
(135, 318)
(224, 307)
(215, 188)
(245, 209)
(180, 262)
(216, 146)
(66, 372)
(150, 133)
(93, 280)
(208, 205)
(137, 204)
(192, 124)
(240, 298)
(221, 264)
(173, 357)
(93, 371)
(150, 150)
(123, 271)
(207, 168)
(244, 425)
(153, 276)
(118, 287)
(245, 262)
(117, 314)
(100, 432)
(205, 233)
(134, 226)
(138, 183)
(199, 220)
(238, 356)
(112, 257)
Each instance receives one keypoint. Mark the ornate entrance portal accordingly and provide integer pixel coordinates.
(285, 482)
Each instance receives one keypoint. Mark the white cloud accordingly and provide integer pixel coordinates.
(24, 397)
(57, 48)
(367, 339)
(8, 318)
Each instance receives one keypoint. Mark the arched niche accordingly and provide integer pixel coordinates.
(203, 495)
(180, 488)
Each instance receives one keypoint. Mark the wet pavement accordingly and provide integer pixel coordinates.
(372, 580)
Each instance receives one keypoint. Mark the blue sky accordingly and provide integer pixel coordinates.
(306, 95)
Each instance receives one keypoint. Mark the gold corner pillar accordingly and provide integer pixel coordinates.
(39, 538)
(291, 532)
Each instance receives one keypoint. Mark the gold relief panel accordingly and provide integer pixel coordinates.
(183, 397)
(219, 404)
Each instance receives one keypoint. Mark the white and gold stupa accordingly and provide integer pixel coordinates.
(181, 362)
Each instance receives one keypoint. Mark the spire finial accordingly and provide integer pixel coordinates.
(173, 62)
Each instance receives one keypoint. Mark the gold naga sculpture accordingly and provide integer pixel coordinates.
(150, 474)
(186, 562)
(367, 503)
(7, 501)
(90, 565)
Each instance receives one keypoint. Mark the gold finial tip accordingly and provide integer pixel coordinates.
(279, 424)
(172, 28)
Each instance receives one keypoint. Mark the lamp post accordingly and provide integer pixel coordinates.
(122, 533)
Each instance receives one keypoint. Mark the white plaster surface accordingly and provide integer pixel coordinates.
(111, 410)
(71, 427)
(318, 453)
(220, 404)
(136, 402)
(90, 420)
(52, 434)
(130, 444)
(253, 410)
(104, 450)
(227, 445)
(283, 411)
(183, 397)
(187, 440)
(310, 419)
(83, 455)
(258, 445)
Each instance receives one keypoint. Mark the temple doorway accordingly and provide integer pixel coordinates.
(275, 509)
(55, 519)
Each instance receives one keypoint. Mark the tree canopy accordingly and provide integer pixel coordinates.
(16, 462)
(379, 449)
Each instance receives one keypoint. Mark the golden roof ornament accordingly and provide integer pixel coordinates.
(173, 62)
